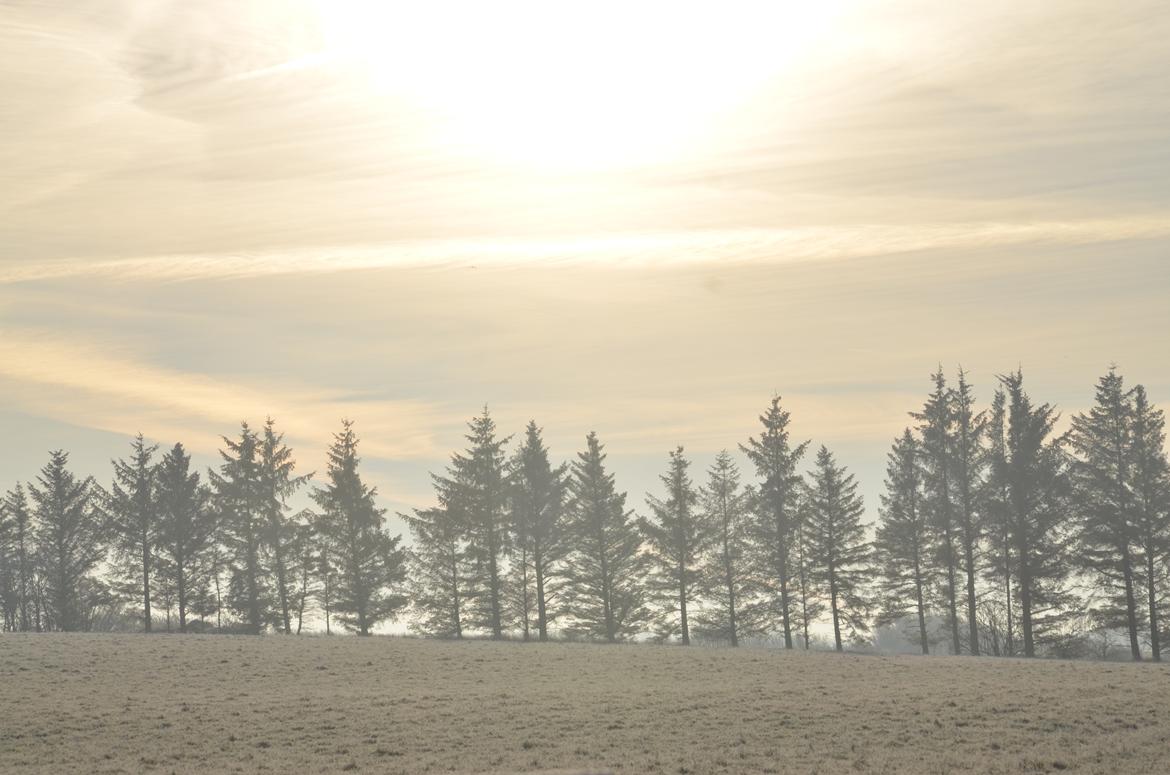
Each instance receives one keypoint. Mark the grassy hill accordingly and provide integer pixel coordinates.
(126, 703)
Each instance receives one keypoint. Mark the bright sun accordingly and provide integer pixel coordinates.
(564, 86)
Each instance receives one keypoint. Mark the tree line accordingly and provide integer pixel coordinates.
(995, 535)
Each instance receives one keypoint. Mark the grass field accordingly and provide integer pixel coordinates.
(124, 703)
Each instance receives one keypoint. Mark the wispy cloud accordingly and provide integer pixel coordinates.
(636, 250)
(87, 385)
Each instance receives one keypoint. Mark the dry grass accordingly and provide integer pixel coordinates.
(124, 703)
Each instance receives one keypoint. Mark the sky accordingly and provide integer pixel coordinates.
(641, 219)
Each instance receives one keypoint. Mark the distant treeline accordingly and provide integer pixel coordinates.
(995, 536)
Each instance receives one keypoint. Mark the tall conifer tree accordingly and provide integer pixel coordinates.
(18, 517)
(1102, 439)
(840, 552)
(187, 527)
(677, 538)
(371, 566)
(442, 571)
(1033, 475)
(902, 548)
(476, 488)
(936, 426)
(134, 520)
(1151, 475)
(776, 503)
(728, 579)
(970, 461)
(277, 484)
(604, 572)
(239, 492)
(537, 502)
(71, 536)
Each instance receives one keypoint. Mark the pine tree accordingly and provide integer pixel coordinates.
(240, 499)
(187, 527)
(277, 485)
(810, 607)
(1107, 532)
(371, 566)
(1034, 478)
(604, 572)
(902, 548)
(303, 549)
(996, 510)
(326, 568)
(677, 537)
(840, 554)
(936, 426)
(70, 540)
(970, 462)
(537, 503)
(728, 580)
(476, 491)
(1151, 501)
(133, 512)
(776, 502)
(442, 571)
(9, 596)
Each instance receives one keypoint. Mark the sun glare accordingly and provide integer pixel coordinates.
(567, 86)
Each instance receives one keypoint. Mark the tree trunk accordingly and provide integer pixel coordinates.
(1026, 602)
(952, 594)
(1130, 606)
(146, 585)
(456, 600)
(282, 588)
(972, 618)
(494, 571)
(526, 604)
(782, 567)
(682, 605)
(181, 579)
(833, 600)
(541, 609)
(1009, 636)
(921, 606)
(729, 579)
(1152, 599)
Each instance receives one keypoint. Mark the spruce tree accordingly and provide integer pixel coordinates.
(970, 462)
(1102, 474)
(476, 488)
(936, 426)
(239, 495)
(677, 538)
(840, 553)
(996, 511)
(20, 558)
(371, 566)
(70, 536)
(537, 504)
(187, 528)
(809, 605)
(604, 572)
(9, 601)
(1033, 475)
(134, 519)
(728, 580)
(277, 484)
(776, 503)
(1151, 502)
(902, 547)
(442, 571)
(303, 550)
